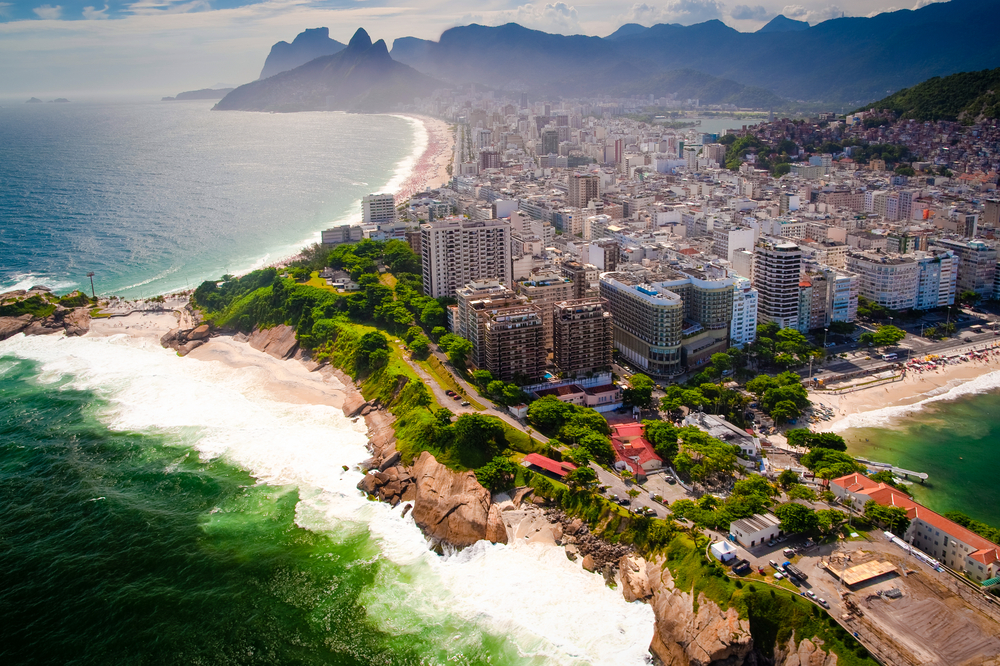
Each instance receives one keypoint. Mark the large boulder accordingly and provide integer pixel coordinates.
(496, 531)
(200, 333)
(10, 326)
(634, 579)
(278, 341)
(806, 653)
(450, 507)
(683, 637)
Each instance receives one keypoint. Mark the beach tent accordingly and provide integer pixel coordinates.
(723, 551)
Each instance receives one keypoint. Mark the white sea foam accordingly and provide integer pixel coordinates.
(889, 415)
(25, 281)
(545, 606)
(405, 166)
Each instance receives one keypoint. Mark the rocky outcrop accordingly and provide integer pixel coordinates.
(184, 341)
(71, 321)
(393, 485)
(278, 341)
(450, 507)
(603, 556)
(682, 636)
(634, 578)
(496, 531)
(806, 653)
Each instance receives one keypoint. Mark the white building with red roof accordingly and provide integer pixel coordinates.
(633, 451)
(945, 540)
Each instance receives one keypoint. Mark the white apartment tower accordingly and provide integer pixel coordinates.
(777, 265)
(456, 251)
(378, 209)
(743, 328)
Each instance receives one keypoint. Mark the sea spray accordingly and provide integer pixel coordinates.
(522, 602)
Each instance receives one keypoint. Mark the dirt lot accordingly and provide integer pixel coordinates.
(929, 624)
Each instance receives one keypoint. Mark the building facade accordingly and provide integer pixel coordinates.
(583, 336)
(456, 251)
(378, 209)
(776, 270)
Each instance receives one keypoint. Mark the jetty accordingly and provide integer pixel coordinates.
(898, 471)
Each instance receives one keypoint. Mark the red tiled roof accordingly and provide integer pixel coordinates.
(631, 447)
(689, 250)
(548, 464)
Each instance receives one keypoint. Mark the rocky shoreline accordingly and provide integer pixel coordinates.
(71, 321)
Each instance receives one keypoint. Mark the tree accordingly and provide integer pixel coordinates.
(498, 474)
(581, 477)
(884, 336)
(830, 519)
(760, 384)
(379, 358)
(598, 447)
(787, 478)
(457, 349)
(663, 436)
(893, 517)
(640, 391)
(438, 331)
(796, 518)
(754, 485)
(785, 411)
(721, 363)
(481, 378)
(632, 494)
(805, 438)
(421, 346)
(549, 414)
(477, 433)
(443, 416)
(798, 491)
(833, 463)
(590, 419)
(411, 333)
(969, 297)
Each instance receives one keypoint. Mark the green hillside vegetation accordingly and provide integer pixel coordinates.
(967, 96)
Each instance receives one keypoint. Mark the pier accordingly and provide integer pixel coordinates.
(898, 471)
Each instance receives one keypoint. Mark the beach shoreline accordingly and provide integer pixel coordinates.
(882, 404)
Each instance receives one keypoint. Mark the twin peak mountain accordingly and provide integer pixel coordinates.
(359, 77)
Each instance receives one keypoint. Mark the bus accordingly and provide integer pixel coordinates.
(890, 357)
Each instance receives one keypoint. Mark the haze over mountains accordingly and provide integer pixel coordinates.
(360, 77)
(842, 61)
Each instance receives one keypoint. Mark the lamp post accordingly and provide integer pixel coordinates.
(92, 292)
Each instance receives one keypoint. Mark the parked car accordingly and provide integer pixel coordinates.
(455, 396)
(772, 543)
(788, 552)
(449, 393)
(824, 604)
(778, 575)
(812, 595)
(773, 564)
(465, 403)
(671, 480)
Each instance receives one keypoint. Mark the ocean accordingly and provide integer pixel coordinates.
(953, 437)
(158, 509)
(157, 197)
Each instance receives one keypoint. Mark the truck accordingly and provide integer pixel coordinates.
(794, 570)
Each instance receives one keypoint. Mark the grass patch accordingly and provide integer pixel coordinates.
(97, 313)
(388, 279)
(316, 281)
(35, 306)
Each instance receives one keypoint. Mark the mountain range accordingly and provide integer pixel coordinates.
(360, 77)
(842, 61)
(307, 45)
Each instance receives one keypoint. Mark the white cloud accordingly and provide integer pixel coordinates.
(48, 12)
(924, 3)
(93, 14)
(674, 11)
(5, 8)
(748, 13)
(813, 16)
(555, 17)
(157, 7)
(882, 11)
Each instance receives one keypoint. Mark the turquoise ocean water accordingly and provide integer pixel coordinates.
(157, 509)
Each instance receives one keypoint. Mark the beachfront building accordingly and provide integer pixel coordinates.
(345, 233)
(545, 289)
(887, 279)
(513, 342)
(456, 251)
(648, 321)
(937, 274)
(946, 541)
(473, 299)
(743, 327)
(977, 264)
(378, 209)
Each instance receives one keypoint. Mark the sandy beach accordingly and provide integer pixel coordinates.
(431, 170)
(846, 409)
(282, 380)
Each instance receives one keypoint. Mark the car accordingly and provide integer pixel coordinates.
(449, 393)
(830, 344)
(773, 564)
(967, 339)
(465, 403)
(671, 480)
(823, 603)
(782, 539)
(624, 501)
(788, 552)
(614, 498)
(456, 397)
(811, 595)
(771, 543)
(778, 575)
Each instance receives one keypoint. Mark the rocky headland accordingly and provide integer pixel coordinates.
(69, 320)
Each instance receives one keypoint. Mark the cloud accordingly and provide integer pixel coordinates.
(924, 3)
(93, 14)
(748, 13)
(5, 8)
(48, 12)
(882, 11)
(674, 11)
(555, 17)
(813, 16)
(157, 7)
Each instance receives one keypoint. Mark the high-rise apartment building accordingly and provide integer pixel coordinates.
(743, 327)
(468, 323)
(648, 323)
(583, 336)
(514, 342)
(977, 265)
(456, 251)
(345, 233)
(378, 209)
(545, 289)
(777, 265)
(550, 142)
(727, 241)
(937, 274)
(583, 188)
(887, 279)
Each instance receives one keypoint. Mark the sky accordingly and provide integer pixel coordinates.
(76, 48)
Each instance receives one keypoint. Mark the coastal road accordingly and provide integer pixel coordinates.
(618, 487)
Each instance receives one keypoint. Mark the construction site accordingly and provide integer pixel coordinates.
(907, 612)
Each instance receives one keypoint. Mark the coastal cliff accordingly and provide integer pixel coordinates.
(686, 633)
(38, 312)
